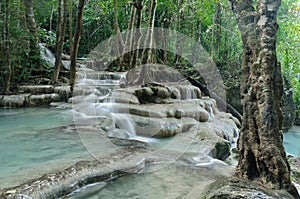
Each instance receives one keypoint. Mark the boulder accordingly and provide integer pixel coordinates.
(126, 96)
(234, 187)
(43, 99)
(12, 101)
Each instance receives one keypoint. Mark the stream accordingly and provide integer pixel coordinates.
(101, 128)
(34, 141)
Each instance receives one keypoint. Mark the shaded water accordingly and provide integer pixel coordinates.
(34, 141)
(291, 140)
(172, 181)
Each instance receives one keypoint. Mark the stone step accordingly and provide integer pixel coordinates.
(99, 75)
(14, 101)
(36, 89)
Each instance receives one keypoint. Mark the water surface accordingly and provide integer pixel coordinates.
(291, 140)
(34, 141)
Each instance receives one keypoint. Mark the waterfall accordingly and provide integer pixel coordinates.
(47, 54)
(211, 111)
(91, 100)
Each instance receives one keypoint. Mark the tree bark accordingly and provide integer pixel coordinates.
(217, 28)
(31, 23)
(128, 42)
(139, 7)
(180, 16)
(119, 39)
(34, 50)
(76, 44)
(60, 35)
(261, 153)
(71, 26)
(6, 48)
(147, 55)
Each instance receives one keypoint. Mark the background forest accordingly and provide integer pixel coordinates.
(26, 24)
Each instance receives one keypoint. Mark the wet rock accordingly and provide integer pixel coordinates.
(118, 133)
(162, 92)
(125, 96)
(61, 105)
(158, 73)
(144, 94)
(43, 99)
(211, 143)
(221, 150)
(37, 89)
(63, 91)
(295, 169)
(188, 92)
(12, 100)
(179, 113)
(233, 187)
(156, 93)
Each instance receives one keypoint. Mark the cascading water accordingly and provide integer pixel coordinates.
(47, 54)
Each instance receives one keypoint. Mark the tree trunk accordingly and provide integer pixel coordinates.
(71, 26)
(31, 24)
(128, 42)
(60, 35)
(180, 16)
(139, 7)
(119, 39)
(76, 44)
(261, 153)
(6, 47)
(147, 55)
(217, 28)
(34, 50)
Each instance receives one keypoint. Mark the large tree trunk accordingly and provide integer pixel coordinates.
(6, 48)
(76, 44)
(60, 35)
(261, 153)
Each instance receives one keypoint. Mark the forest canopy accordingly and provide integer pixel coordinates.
(211, 23)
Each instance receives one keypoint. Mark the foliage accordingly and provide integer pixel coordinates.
(288, 46)
(195, 18)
